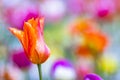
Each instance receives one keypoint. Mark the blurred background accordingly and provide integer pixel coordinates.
(83, 36)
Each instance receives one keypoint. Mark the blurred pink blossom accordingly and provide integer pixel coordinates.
(20, 60)
(76, 6)
(16, 15)
(102, 8)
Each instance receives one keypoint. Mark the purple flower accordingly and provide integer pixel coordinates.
(20, 60)
(63, 70)
(92, 76)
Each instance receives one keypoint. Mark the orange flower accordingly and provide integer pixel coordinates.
(32, 40)
(83, 25)
(7, 76)
(96, 40)
(83, 51)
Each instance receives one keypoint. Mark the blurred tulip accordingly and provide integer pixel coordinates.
(17, 15)
(108, 64)
(92, 36)
(104, 9)
(83, 51)
(83, 25)
(32, 40)
(84, 65)
(7, 76)
(9, 72)
(92, 76)
(63, 70)
(96, 41)
(20, 60)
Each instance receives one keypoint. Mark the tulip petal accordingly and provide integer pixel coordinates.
(33, 23)
(41, 24)
(97, 40)
(31, 37)
(18, 33)
(46, 54)
(25, 38)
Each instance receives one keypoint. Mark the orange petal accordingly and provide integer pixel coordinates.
(37, 24)
(25, 38)
(30, 21)
(34, 58)
(18, 33)
(30, 38)
(33, 22)
(98, 40)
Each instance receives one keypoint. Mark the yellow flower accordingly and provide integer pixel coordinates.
(108, 64)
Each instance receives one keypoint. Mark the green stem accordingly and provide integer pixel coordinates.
(40, 72)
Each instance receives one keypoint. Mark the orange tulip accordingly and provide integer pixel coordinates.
(7, 76)
(81, 26)
(83, 51)
(88, 29)
(32, 40)
(96, 40)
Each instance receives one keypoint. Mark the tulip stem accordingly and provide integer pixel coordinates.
(40, 72)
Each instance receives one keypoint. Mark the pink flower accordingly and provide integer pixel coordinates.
(102, 8)
(16, 15)
(19, 59)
